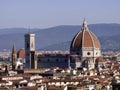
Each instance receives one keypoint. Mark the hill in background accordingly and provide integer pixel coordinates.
(60, 37)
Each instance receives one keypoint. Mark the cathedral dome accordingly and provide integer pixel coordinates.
(21, 53)
(84, 39)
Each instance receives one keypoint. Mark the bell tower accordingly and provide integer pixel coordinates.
(29, 47)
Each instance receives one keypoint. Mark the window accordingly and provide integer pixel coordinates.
(88, 53)
(32, 45)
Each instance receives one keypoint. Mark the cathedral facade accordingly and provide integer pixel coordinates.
(85, 52)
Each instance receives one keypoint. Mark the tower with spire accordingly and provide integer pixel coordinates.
(14, 57)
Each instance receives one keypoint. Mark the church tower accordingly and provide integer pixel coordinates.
(29, 50)
(14, 57)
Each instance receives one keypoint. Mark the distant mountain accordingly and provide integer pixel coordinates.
(5, 31)
(57, 37)
(109, 43)
(59, 46)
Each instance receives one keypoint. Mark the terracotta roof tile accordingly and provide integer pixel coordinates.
(21, 53)
(84, 38)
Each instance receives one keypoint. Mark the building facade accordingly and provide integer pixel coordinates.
(51, 60)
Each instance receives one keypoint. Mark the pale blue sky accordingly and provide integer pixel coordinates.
(49, 13)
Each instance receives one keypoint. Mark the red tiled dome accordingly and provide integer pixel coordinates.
(84, 39)
(21, 53)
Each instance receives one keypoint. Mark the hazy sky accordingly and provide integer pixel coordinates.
(48, 13)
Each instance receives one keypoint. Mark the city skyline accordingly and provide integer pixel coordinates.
(48, 45)
(44, 14)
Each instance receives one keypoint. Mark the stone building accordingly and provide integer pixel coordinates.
(30, 51)
(85, 49)
(50, 60)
